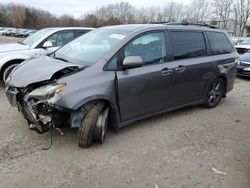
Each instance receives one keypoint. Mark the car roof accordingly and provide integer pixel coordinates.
(137, 27)
(67, 28)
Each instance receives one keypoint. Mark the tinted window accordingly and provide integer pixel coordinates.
(219, 43)
(81, 32)
(151, 47)
(187, 44)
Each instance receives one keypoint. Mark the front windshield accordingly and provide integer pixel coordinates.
(36, 36)
(89, 48)
(245, 42)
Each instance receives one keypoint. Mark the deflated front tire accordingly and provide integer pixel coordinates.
(88, 132)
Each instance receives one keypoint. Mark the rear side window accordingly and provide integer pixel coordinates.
(219, 43)
(187, 44)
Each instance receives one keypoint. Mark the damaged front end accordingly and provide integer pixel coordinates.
(37, 105)
(33, 87)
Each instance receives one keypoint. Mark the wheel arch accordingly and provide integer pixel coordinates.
(78, 113)
(8, 63)
(224, 79)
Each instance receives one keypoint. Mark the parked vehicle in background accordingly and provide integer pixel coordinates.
(42, 42)
(243, 46)
(243, 67)
(1, 30)
(7, 31)
(116, 75)
(23, 33)
(27, 33)
(237, 40)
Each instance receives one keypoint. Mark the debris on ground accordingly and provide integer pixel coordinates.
(216, 171)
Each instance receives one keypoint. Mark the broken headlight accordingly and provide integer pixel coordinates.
(46, 92)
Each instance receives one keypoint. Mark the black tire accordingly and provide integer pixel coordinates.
(215, 93)
(7, 70)
(88, 123)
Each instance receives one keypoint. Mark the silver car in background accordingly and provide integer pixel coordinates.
(43, 42)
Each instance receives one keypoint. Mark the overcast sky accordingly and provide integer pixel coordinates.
(80, 7)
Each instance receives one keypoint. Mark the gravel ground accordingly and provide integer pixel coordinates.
(178, 149)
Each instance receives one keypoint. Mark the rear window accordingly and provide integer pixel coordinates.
(219, 43)
(187, 44)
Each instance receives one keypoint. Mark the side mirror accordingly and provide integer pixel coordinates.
(132, 62)
(47, 44)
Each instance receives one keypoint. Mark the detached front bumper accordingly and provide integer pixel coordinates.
(11, 94)
(39, 113)
(35, 112)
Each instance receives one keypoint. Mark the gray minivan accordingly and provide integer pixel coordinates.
(116, 75)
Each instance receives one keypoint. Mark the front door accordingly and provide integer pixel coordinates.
(142, 90)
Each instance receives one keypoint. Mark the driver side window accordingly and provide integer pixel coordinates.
(150, 47)
(60, 39)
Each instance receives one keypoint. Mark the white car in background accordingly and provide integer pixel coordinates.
(43, 42)
(243, 45)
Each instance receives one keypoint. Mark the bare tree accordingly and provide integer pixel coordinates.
(199, 9)
(243, 12)
(122, 13)
(173, 12)
(222, 10)
(16, 14)
(118, 13)
(141, 15)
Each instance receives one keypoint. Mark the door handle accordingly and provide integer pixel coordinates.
(180, 69)
(166, 72)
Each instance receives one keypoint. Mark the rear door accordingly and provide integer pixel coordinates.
(224, 56)
(191, 66)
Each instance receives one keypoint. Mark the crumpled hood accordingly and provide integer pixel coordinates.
(13, 47)
(36, 70)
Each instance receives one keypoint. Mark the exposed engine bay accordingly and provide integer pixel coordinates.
(36, 102)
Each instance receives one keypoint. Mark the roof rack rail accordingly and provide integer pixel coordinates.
(194, 24)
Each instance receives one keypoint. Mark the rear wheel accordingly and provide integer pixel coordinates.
(94, 125)
(215, 93)
(8, 70)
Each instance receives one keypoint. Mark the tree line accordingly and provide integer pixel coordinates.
(223, 13)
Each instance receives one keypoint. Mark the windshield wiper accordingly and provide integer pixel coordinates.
(21, 43)
(84, 67)
(62, 59)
